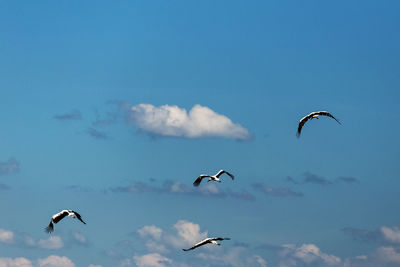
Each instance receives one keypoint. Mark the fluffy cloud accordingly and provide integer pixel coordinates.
(388, 254)
(53, 242)
(306, 254)
(6, 236)
(391, 234)
(9, 166)
(174, 121)
(55, 261)
(152, 260)
(17, 262)
(276, 191)
(150, 230)
(92, 265)
(188, 233)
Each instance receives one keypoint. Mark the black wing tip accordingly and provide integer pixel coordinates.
(49, 229)
(185, 249)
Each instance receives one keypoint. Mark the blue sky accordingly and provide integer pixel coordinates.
(113, 110)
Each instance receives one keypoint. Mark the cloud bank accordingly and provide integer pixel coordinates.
(173, 121)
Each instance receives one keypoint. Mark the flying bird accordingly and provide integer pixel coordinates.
(212, 240)
(212, 177)
(313, 115)
(61, 215)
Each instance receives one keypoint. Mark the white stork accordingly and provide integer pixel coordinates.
(313, 115)
(212, 240)
(61, 215)
(212, 177)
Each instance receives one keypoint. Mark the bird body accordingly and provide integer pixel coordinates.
(212, 240)
(211, 177)
(61, 215)
(313, 115)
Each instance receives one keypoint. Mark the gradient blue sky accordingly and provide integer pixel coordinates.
(71, 72)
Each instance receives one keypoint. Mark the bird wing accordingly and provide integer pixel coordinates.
(326, 113)
(49, 228)
(198, 180)
(59, 216)
(201, 243)
(222, 172)
(303, 121)
(78, 216)
(220, 238)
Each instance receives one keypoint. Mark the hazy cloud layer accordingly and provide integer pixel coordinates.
(174, 121)
(385, 234)
(9, 166)
(276, 191)
(73, 115)
(177, 188)
(96, 134)
(311, 178)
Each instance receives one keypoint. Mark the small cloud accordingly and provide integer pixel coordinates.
(306, 254)
(389, 254)
(55, 261)
(348, 180)
(6, 236)
(53, 242)
(151, 260)
(391, 234)
(79, 238)
(150, 230)
(276, 191)
(16, 262)
(173, 121)
(97, 134)
(315, 179)
(73, 115)
(9, 166)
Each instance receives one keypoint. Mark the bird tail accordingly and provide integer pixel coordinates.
(49, 228)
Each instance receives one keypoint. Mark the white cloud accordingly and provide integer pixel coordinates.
(92, 265)
(391, 234)
(80, 238)
(53, 242)
(235, 257)
(6, 236)
(55, 261)
(150, 230)
(152, 260)
(17, 262)
(188, 234)
(308, 254)
(174, 121)
(388, 254)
